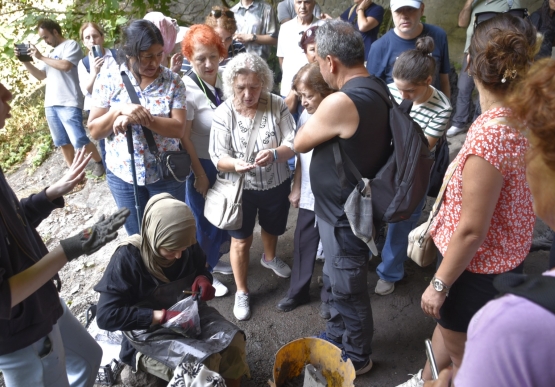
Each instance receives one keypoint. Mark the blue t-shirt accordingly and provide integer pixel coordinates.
(385, 51)
(376, 11)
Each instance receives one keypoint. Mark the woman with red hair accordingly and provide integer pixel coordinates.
(204, 49)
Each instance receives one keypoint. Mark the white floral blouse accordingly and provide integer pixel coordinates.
(167, 92)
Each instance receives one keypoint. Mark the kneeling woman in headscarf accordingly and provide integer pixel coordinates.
(146, 276)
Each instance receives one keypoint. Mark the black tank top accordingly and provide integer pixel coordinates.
(368, 148)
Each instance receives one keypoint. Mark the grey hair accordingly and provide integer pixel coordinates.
(338, 38)
(243, 64)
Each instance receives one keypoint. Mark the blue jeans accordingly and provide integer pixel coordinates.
(67, 356)
(466, 87)
(394, 252)
(66, 126)
(124, 195)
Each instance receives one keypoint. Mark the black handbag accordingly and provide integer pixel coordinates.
(172, 165)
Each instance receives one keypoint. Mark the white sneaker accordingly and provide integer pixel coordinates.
(241, 309)
(384, 287)
(277, 265)
(221, 289)
(415, 381)
(454, 130)
(223, 268)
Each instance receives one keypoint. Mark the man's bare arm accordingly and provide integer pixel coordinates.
(465, 14)
(337, 116)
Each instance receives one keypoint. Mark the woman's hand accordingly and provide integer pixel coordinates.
(202, 184)
(242, 166)
(364, 5)
(325, 16)
(295, 196)
(72, 177)
(264, 157)
(120, 124)
(98, 62)
(137, 113)
(432, 300)
(175, 62)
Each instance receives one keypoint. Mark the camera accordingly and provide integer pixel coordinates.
(97, 51)
(24, 52)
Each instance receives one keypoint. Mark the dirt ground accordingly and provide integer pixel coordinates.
(400, 327)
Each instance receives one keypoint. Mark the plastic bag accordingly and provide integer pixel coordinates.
(188, 320)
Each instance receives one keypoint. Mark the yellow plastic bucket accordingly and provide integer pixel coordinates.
(294, 356)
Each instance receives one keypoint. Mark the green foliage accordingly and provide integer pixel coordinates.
(27, 129)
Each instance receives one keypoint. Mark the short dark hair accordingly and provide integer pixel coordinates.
(139, 36)
(339, 39)
(49, 25)
(416, 65)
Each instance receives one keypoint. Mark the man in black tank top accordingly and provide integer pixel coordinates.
(358, 119)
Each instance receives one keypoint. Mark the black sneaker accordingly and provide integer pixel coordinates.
(362, 367)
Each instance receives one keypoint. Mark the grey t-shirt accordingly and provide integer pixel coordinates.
(62, 87)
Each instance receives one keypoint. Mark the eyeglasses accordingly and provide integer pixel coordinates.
(217, 13)
(481, 17)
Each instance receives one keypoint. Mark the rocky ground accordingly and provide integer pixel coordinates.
(400, 327)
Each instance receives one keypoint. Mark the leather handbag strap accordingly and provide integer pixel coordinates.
(262, 103)
(135, 99)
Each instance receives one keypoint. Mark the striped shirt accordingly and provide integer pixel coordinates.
(432, 115)
(230, 134)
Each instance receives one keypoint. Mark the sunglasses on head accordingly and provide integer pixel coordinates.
(481, 17)
(217, 13)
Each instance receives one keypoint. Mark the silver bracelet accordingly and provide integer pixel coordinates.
(274, 152)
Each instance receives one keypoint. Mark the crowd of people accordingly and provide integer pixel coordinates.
(208, 90)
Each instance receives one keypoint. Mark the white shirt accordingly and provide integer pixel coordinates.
(84, 75)
(230, 135)
(307, 197)
(201, 111)
(288, 48)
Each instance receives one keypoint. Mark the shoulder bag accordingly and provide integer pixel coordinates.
(421, 248)
(223, 202)
(171, 164)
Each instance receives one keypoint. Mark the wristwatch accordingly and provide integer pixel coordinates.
(253, 38)
(440, 286)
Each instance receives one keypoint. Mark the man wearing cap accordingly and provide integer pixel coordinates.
(466, 83)
(354, 120)
(408, 28)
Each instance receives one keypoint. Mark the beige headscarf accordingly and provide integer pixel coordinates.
(167, 223)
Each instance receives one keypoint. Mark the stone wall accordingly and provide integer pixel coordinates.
(439, 12)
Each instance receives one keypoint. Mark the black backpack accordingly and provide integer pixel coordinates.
(402, 182)
(86, 60)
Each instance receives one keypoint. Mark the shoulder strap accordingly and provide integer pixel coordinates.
(539, 289)
(87, 64)
(191, 74)
(262, 103)
(133, 96)
(352, 10)
(373, 83)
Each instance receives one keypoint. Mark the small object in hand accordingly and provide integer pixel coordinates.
(189, 292)
(203, 286)
(23, 49)
(97, 51)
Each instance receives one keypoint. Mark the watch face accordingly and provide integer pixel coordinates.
(437, 285)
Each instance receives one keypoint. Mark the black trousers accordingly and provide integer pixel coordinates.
(306, 242)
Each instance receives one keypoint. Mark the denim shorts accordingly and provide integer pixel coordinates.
(66, 126)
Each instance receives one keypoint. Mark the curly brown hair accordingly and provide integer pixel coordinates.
(533, 103)
(227, 23)
(501, 51)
